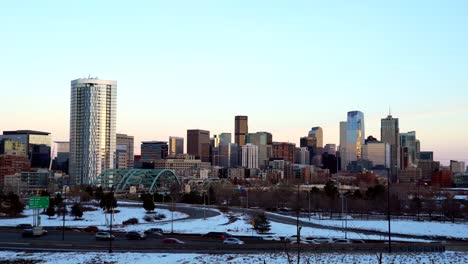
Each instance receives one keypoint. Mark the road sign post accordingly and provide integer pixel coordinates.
(39, 202)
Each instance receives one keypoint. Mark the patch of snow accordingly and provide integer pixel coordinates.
(407, 227)
(273, 258)
(97, 218)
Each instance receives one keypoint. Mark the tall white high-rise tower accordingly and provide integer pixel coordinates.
(93, 112)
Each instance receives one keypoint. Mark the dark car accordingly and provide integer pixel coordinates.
(172, 241)
(134, 235)
(221, 235)
(154, 231)
(93, 229)
(27, 233)
(24, 226)
(131, 221)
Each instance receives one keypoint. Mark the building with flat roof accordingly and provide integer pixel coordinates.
(176, 146)
(93, 118)
(198, 144)
(37, 145)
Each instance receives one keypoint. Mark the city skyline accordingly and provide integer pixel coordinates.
(355, 56)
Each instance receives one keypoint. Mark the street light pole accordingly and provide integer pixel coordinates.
(111, 216)
(64, 210)
(388, 212)
(308, 195)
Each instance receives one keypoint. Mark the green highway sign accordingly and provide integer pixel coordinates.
(39, 202)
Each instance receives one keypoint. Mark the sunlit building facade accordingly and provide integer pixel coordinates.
(355, 136)
(93, 113)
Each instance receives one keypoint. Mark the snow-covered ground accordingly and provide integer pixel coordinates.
(457, 230)
(96, 218)
(242, 226)
(142, 258)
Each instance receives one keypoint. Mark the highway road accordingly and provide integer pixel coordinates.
(10, 239)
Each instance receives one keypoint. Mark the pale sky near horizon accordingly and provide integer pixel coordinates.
(288, 65)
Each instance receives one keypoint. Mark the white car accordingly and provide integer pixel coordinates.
(233, 241)
(300, 242)
(291, 238)
(322, 240)
(271, 238)
(342, 241)
(104, 236)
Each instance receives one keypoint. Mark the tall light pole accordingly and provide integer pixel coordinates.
(298, 227)
(64, 192)
(388, 212)
(111, 216)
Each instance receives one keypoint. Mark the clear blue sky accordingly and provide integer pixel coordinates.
(288, 65)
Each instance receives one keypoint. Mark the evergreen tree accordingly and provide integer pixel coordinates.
(50, 211)
(108, 201)
(261, 223)
(77, 210)
(148, 203)
(89, 190)
(98, 193)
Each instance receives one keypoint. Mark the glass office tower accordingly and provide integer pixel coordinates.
(355, 136)
(93, 112)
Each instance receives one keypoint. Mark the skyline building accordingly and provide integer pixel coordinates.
(154, 150)
(355, 136)
(176, 146)
(379, 153)
(263, 140)
(285, 151)
(390, 133)
(330, 149)
(198, 144)
(250, 156)
(62, 158)
(125, 148)
(342, 148)
(93, 114)
(408, 149)
(37, 145)
(241, 128)
(302, 156)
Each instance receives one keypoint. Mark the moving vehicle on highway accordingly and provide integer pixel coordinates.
(36, 231)
(342, 241)
(93, 229)
(271, 238)
(104, 236)
(172, 241)
(320, 240)
(154, 232)
(24, 226)
(131, 221)
(221, 235)
(135, 235)
(233, 241)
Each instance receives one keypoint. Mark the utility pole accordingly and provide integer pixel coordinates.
(388, 212)
(298, 228)
(112, 212)
(64, 192)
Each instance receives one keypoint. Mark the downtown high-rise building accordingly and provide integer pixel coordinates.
(241, 129)
(176, 146)
(264, 141)
(154, 150)
(198, 144)
(124, 151)
(250, 156)
(93, 113)
(36, 143)
(390, 133)
(409, 149)
(342, 147)
(355, 136)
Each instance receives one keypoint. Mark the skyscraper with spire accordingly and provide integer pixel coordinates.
(389, 133)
